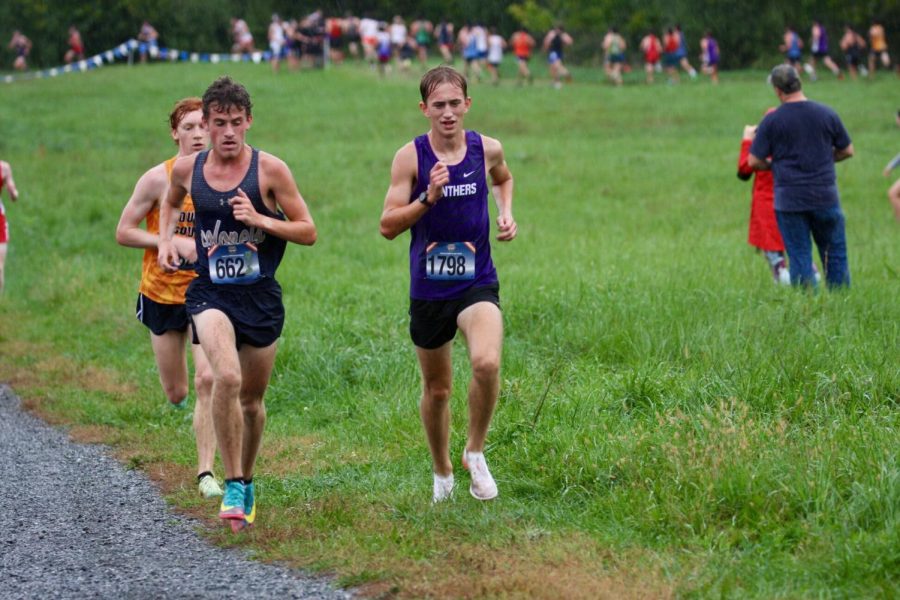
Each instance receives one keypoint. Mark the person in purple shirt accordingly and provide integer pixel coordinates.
(818, 44)
(804, 139)
(709, 56)
(439, 191)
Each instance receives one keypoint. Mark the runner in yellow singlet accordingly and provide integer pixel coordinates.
(878, 48)
(160, 303)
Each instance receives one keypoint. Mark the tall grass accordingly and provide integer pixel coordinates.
(661, 399)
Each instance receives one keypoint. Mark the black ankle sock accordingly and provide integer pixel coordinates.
(248, 481)
(204, 474)
(235, 480)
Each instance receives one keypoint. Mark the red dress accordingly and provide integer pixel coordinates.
(764, 232)
(4, 226)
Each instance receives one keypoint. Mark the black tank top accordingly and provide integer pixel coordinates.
(240, 254)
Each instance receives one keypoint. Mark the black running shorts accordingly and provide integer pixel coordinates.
(432, 323)
(160, 318)
(256, 311)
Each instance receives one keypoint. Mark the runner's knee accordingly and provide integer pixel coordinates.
(486, 367)
(436, 392)
(175, 392)
(228, 380)
(253, 407)
(203, 382)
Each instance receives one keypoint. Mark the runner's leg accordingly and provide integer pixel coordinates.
(482, 326)
(434, 409)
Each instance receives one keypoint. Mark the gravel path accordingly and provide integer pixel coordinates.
(114, 537)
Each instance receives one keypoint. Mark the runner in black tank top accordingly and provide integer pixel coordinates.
(235, 302)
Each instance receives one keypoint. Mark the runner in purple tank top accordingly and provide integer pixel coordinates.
(439, 191)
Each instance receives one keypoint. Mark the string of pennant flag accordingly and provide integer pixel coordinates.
(125, 51)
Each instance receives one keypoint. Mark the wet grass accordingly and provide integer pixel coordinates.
(670, 423)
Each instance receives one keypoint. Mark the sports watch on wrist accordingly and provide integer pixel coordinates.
(423, 198)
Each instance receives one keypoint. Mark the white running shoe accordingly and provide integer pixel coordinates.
(209, 487)
(443, 487)
(483, 486)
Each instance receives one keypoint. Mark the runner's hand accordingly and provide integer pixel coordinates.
(437, 178)
(187, 248)
(168, 258)
(243, 209)
(507, 228)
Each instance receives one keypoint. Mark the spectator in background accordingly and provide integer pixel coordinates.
(670, 54)
(804, 139)
(613, 55)
(398, 33)
(422, 30)
(76, 46)
(709, 56)
(894, 191)
(468, 44)
(818, 45)
(682, 53)
(878, 48)
(852, 45)
(351, 34)
(243, 39)
(792, 47)
(651, 48)
(763, 233)
(445, 37)
(555, 43)
(523, 43)
(277, 38)
(21, 45)
(334, 27)
(369, 34)
(496, 46)
(149, 41)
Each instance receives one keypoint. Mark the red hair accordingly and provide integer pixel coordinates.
(183, 107)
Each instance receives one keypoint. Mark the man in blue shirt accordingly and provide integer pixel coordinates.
(800, 142)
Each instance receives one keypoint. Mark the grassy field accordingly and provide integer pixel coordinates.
(670, 422)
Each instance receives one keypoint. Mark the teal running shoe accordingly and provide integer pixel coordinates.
(232, 507)
(249, 504)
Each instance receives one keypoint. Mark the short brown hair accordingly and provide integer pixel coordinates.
(226, 93)
(181, 108)
(439, 75)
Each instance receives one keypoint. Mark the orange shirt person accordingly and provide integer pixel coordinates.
(161, 299)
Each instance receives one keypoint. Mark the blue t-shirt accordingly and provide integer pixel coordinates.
(801, 138)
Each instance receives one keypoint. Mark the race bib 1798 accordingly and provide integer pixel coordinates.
(450, 261)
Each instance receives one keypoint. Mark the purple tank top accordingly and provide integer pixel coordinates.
(450, 250)
(822, 47)
(712, 48)
(228, 251)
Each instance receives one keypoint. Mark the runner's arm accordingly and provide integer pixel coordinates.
(892, 165)
(280, 186)
(10, 182)
(169, 209)
(148, 190)
(502, 188)
(399, 213)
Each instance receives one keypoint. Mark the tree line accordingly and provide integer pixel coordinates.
(748, 33)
